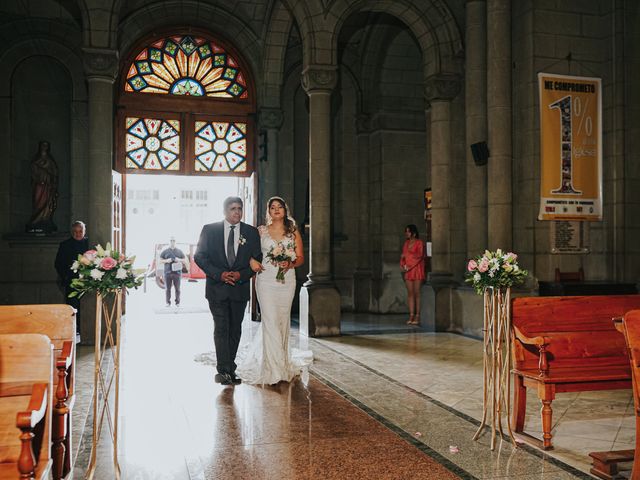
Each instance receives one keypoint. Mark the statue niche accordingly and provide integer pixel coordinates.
(44, 191)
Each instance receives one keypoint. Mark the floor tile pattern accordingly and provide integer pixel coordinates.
(385, 406)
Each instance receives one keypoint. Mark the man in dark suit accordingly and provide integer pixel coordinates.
(68, 252)
(224, 251)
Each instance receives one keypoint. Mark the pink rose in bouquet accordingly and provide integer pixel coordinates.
(282, 252)
(108, 263)
(496, 269)
(484, 265)
(104, 271)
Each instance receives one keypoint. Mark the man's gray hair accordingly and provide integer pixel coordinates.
(229, 200)
(79, 223)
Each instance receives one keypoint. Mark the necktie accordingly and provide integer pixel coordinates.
(231, 253)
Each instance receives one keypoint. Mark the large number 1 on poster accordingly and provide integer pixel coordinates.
(566, 170)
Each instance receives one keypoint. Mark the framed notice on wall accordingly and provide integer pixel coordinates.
(570, 148)
(569, 237)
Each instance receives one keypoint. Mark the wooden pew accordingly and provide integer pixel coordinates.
(566, 344)
(26, 372)
(605, 464)
(58, 322)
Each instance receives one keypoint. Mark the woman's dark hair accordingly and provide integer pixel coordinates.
(413, 229)
(289, 222)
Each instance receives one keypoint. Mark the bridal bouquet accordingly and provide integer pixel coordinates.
(282, 251)
(494, 269)
(103, 270)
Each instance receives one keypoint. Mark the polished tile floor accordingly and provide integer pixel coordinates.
(386, 406)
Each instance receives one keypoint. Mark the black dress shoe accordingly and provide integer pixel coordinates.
(235, 379)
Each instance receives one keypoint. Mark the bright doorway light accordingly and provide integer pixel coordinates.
(161, 206)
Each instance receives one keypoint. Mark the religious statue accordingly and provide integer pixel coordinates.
(44, 191)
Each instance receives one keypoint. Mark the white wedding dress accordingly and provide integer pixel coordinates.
(267, 358)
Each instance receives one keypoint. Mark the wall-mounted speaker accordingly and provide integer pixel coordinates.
(480, 152)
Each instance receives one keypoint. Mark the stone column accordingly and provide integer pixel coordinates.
(362, 275)
(439, 91)
(101, 66)
(79, 162)
(499, 123)
(319, 299)
(476, 123)
(269, 122)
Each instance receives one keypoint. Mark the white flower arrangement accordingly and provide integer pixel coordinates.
(494, 269)
(103, 270)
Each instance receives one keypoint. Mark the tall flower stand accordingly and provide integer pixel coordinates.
(496, 399)
(106, 380)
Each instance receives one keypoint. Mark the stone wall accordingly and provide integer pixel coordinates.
(629, 18)
(40, 110)
(43, 98)
(380, 125)
(584, 39)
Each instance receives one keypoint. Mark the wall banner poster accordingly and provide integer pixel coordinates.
(570, 148)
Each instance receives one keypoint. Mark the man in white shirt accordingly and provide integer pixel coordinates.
(224, 251)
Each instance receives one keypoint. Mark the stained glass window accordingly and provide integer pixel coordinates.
(221, 146)
(185, 65)
(152, 143)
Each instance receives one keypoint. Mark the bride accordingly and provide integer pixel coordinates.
(267, 359)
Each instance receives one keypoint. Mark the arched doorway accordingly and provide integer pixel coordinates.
(185, 108)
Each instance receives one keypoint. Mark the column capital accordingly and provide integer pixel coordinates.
(444, 86)
(319, 77)
(100, 64)
(270, 118)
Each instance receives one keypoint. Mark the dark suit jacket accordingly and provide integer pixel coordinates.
(211, 257)
(68, 252)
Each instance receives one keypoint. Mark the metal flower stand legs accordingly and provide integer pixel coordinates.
(496, 401)
(106, 380)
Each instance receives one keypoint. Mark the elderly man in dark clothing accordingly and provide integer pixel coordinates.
(68, 252)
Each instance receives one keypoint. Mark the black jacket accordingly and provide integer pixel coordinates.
(211, 257)
(68, 252)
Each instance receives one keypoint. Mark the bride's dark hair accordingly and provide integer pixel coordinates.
(289, 222)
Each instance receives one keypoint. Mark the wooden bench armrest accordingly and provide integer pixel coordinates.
(63, 362)
(529, 340)
(36, 409)
(541, 343)
(65, 358)
(26, 421)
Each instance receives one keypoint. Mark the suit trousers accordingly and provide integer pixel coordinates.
(227, 329)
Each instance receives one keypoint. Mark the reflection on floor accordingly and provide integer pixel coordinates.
(381, 406)
(365, 324)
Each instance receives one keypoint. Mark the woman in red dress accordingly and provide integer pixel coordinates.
(412, 264)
